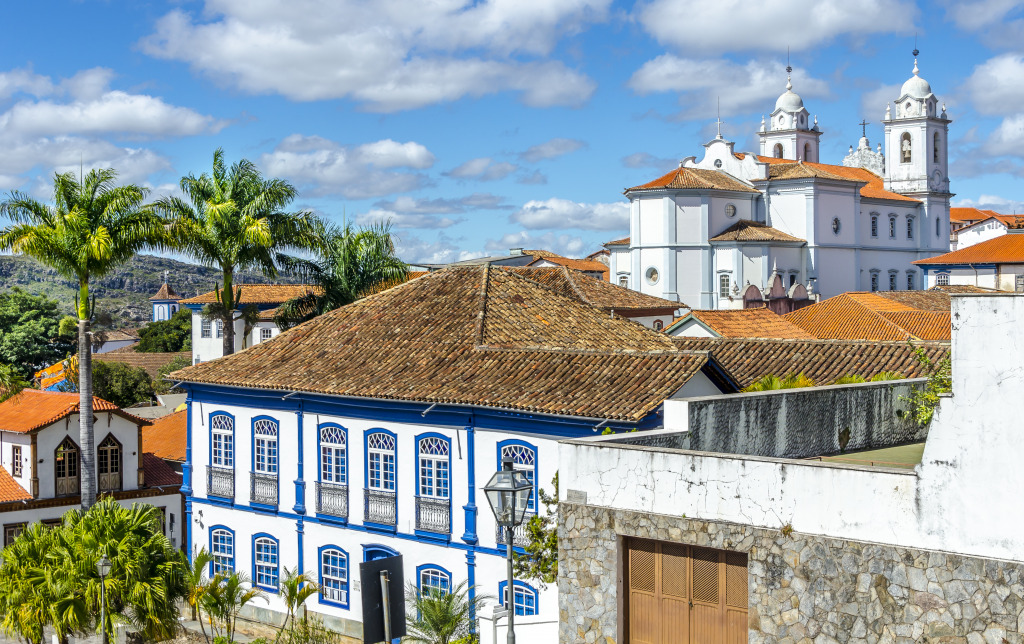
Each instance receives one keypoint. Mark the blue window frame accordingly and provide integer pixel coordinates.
(524, 457)
(380, 460)
(333, 454)
(222, 548)
(333, 576)
(524, 597)
(374, 551)
(264, 442)
(434, 465)
(430, 577)
(222, 439)
(265, 561)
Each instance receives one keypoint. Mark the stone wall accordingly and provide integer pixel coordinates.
(798, 423)
(802, 588)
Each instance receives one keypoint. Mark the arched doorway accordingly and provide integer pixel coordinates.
(373, 551)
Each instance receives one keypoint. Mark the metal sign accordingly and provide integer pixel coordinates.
(383, 592)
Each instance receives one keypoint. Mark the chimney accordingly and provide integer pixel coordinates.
(515, 251)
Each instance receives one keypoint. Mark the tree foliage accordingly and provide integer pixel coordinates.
(48, 577)
(167, 336)
(161, 385)
(31, 336)
(940, 381)
(350, 263)
(772, 382)
(11, 382)
(436, 617)
(540, 562)
(121, 384)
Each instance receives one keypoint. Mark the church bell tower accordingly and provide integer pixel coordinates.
(789, 133)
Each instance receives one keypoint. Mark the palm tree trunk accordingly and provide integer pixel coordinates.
(86, 441)
(228, 297)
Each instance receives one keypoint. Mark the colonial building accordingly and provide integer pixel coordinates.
(736, 229)
(997, 264)
(40, 462)
(165, 302)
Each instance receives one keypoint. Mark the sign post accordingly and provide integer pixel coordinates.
(383, 595)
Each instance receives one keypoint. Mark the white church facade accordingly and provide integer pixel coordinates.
(737, 229)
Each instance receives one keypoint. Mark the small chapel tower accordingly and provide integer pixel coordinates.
(789, 133)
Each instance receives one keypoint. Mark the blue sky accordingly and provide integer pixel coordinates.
(479, 126)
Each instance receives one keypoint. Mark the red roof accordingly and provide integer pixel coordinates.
(157, 472)
(870, 316)
(584, 265)
(970, 214)
(1005, 249)
(167, 437)
(618, 242)
(33, 409)
(875, 188)
(10, 490)
(695, 178)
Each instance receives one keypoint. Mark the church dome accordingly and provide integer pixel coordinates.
(790, 102)
(916, 87)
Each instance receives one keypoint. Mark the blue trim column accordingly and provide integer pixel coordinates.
(471, 582)
(470, 535)
(186, 476)
(300, 483)
(299, 529)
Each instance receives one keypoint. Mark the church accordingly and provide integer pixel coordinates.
(780, 228)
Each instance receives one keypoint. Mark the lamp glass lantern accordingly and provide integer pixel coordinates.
(103, 566)
(508, 493)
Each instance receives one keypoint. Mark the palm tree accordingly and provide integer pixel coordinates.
(436, 617)
(196, 584)
(296, 588)
(351, 263)
(234, 219)
(227, 596)
(92, 228)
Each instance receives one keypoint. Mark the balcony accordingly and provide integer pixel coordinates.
(263, 489)
(433, 515)
(381, 507)
(220, 482)
(519, 537)
(336, 595)
(332, 499)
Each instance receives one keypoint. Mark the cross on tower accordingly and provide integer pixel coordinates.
(863, 128)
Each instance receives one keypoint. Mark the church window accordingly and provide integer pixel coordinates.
(910, 281)
(892, 281)
(938, 228)
(730, 210)
(807, 152)
(718, 163)
(892, 227)
(905, 148)
(778, 151)
(723, 285)
(935, 148)
(874, 225)
(836, 225)
(658, 325)
(624, 281)
(874, 282)
(942, 279)
(792, 280)
(910, 227)
(652, 275)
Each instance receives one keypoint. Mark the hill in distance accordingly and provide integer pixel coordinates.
(125, 293)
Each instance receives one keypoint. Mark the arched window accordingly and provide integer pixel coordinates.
(524, 597)
(524, 457)
(910, 227)
(892, 280)
(935, 148)
(905, 148)
(433, 578)
(658, 325)
(109, 465)
(65, 468)
(333, 455)
(222, 549)
(910, 280)
(807, 152)
(222, 440)
(874, 225)
(624, 281)
(380, 457)
(264, 438)
(434, 460)
(265, 562)
(778, 151)
(333, 576)
(874, 281)
(892, 226)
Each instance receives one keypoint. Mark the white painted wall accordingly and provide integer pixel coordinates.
(8, 440)
(48, 438)
(978, 233)
(959, 499)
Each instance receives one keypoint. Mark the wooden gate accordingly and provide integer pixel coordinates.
(679, 594)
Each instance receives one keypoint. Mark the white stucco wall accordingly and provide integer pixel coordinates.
(48, 438)
(978, 233)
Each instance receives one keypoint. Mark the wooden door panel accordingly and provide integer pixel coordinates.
(675, 621)
(643, 620)
(735, 626)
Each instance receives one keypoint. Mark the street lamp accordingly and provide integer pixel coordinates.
(508, 493)
(103, 568)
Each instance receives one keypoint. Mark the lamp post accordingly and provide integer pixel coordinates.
(508, 494)
(103, 568)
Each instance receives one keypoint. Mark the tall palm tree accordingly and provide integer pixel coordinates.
(234, 219)
(93, 227)
(436, 617)
(197, 585)
(351, 263)
(296, 588)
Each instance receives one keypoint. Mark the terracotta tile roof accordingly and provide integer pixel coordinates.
(33, 409)
(10, 490)
(695, 178)
(874, 188)
(257, 294)
(931, 300)
(470, 335)
(746, 323)
(1005, 249)
(151, 362)
(157, 472)
(587, 265)
(590, 290)
(540, 253)
(962, 288)
(167, 436)
(165, 293)
(1010, 221)
(118, 336)
(823, 361)
(618, 242)
(970, 214)
(746, 230)
(871, 316)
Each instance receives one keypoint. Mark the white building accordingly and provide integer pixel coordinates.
(996, 264)
(165, 302)
(728, 229)
(208, 334)
(40, 462)
(370, 431)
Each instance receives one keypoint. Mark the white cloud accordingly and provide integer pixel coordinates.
(873, 102)
(741, 88)
(563, 244)
(24, 81)
(771, 25)
(404, 220)
(536, 178)
(646, 160)
(325, 167)
(999, 20)
(483, 169)
(1000, 204)
(443, 250)
(1008, 138)
(551, 149)
(996, 87)
(563, 213)
(442, 206)
(390, 55)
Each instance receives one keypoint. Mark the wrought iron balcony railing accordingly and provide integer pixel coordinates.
(263, 488)
(519, 537)
(380, 507)
(332, 499)
(220, 482)
(433, 515)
